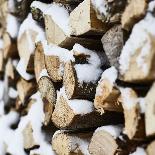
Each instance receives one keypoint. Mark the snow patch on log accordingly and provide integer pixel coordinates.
(11, 5)
(60, 16)
(140, 39)
(93, 59)
(21, 68)
(64, 54)
(87, 73)
(30, 24)
(113, 130)
(13, 93)
(139, 151)
(42, 6)
(43, 73)
(81, 107)
(12, 26)
(83, 145)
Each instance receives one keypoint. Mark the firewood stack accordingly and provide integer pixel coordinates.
(77, 77)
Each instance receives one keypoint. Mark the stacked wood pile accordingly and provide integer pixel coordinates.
(77, 77)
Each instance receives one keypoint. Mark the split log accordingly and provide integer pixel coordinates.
(73, 87)
(80, 114)
(1, 57)
(149, 113)
(150, 148)
(88, 23)
(64, 143)
(10, 46)
(133, 114)
(109, 140)
(110, 11)
(25, 89)
(113, 41)
(11, 73)
(48, 95)
(39, 61)
(135, 11)
(137, 64)
(55, 35)
(28, 139)
(107, 93)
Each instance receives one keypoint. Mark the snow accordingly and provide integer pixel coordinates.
(113, 130)
(139, 151)
(81, 107)
(60, 16)
(30, 24)
(39, 5)
(140, 40)
(12, 26)
(100, 6)
(13, 93)
(1, 43)
(64, 54)
(11, 5)
(81, 143)
(43, 73)
(93, 59)
(21, 68)
(109, 74)
(2, 89)
(129, 101)
(142, 104)
(151, 6)
(87, 73)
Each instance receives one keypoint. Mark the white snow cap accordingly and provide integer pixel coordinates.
(87, 73)
(93, 59)
(43, 73)
(40, 5)
(139, 151)
(13, 93)
(113, 130)
(30, 24)
(12, 26)
(64, 54)
(60, 16)
(78, 106)
(110, 74)
(21, 68)
(140, 39)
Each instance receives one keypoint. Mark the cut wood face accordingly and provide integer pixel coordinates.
(48, 94)
(150, 112)
(63, 115)
(150, 148)
(135, 11)
(102, 143)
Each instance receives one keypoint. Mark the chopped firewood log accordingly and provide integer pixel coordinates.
(150, 148)
(64, 143)
(25, 89)
(39, 61)
(80, 114)
(149, 113)
(107, 93)
(48, 94)
(74, 87)
(137, 57)
(105, 140)
(57, 36)
(28, 139)
(28, 34)
(38, 9)
(11, 73)
(113, 41)
(109, 11)
(10, 46)
(88, 23)
(135, 11)
(133, 114)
